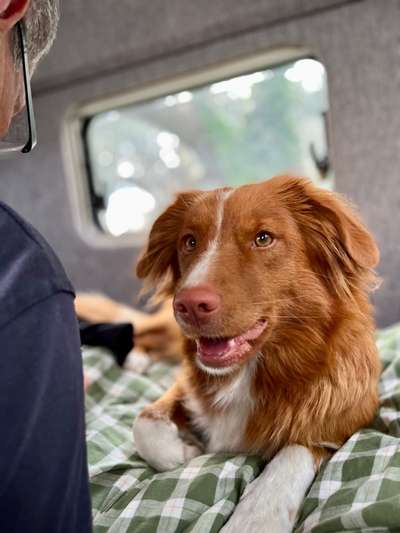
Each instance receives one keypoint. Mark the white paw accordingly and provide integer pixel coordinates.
(137, 361)
(158, 443)
(270, 503)
(262, 509)
(253, 516)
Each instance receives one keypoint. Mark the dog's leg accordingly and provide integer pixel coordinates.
(271, 502)
(156, 432)
(95, 307)
(157, 333)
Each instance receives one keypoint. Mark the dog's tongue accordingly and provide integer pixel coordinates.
(226, 351)
(214, 347)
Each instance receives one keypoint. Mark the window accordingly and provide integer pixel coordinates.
(228, 132)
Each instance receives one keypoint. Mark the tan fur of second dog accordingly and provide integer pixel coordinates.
(155, 333)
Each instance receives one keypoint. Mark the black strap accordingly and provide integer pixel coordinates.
(116, 337)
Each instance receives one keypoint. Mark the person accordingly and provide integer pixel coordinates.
(43, 466)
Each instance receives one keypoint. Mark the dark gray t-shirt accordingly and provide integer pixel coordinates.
(43, 467)
(29, 269)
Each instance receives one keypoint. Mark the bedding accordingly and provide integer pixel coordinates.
(358, 489)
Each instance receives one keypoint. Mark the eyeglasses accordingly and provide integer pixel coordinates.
(21, 134)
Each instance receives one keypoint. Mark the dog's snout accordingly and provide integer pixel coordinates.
(197, 304)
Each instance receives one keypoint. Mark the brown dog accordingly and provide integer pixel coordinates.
(270, 286)
(156, 334)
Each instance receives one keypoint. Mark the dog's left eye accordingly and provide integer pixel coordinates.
(263, 239)
(189, 242)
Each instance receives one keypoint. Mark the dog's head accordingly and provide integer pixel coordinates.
(245, 264)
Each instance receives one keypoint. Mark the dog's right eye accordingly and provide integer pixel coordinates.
(263, 239)
(189, 242)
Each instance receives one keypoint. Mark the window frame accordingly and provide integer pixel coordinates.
(77, 118)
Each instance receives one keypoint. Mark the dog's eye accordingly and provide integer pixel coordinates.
(189, 242)
(263, 239)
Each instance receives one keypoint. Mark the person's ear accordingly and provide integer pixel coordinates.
(11, 12)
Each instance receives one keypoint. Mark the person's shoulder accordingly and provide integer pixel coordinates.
(30, 271)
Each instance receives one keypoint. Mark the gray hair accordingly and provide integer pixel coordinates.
(41, 21)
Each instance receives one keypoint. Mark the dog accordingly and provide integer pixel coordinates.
(270, 284)
(156, 334)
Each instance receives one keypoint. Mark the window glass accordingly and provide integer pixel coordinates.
(227, 133)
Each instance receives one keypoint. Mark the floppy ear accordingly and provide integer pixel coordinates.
(158, 264)
(340, 246)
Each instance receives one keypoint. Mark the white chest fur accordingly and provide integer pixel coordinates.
(224, 430)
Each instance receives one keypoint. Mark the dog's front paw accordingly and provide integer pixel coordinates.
(250, 521)
(158, 443)
(253, 519)
(259, 510)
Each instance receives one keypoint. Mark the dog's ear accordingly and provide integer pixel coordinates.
(340, 247)
(158, 264)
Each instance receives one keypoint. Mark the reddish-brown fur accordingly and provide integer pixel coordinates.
(316, 379)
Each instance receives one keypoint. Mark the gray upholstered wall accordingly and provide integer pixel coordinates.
(107, 46)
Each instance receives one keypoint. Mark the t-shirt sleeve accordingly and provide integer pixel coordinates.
(29, 269)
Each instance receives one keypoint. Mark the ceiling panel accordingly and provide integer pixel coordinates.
(95, 36)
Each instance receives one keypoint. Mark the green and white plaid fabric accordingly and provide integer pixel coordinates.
(357, 490)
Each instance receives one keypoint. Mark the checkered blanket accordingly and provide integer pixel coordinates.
(357, 490)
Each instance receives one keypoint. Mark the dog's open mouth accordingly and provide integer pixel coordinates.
(223, 352)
